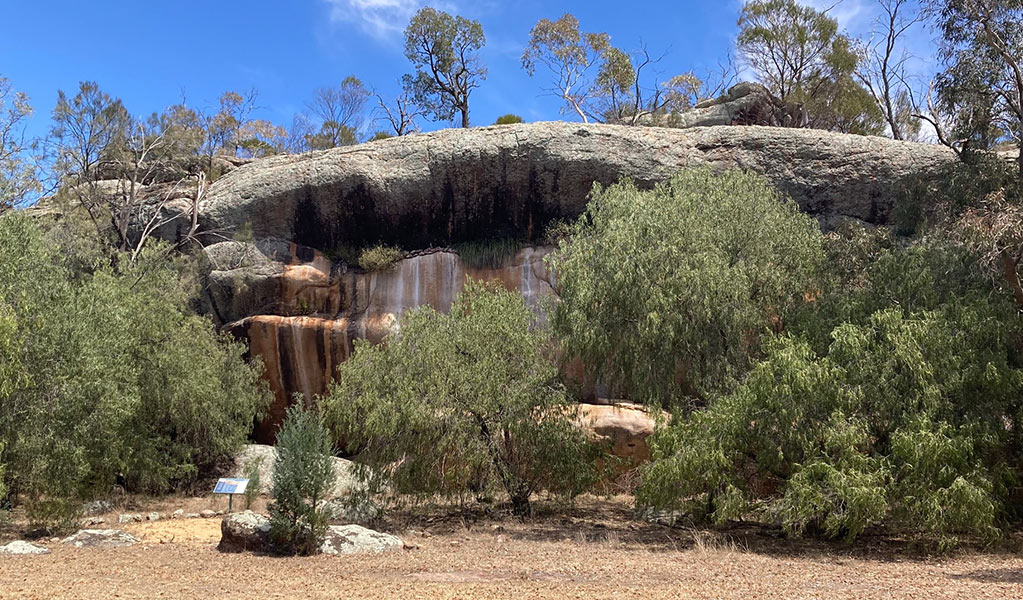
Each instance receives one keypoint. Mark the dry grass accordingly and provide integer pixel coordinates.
(592, 550)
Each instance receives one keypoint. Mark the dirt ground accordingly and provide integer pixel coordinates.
(593, 550)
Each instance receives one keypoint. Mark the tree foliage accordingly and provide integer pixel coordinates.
(601, 82)
(906, 416)
(341, 111)
(106, 374)
(799, 54)
(463, 403)
(18, 179)
(303, 475)
(444, 50)
(665, 292)
(981, 86)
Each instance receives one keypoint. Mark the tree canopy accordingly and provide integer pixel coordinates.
(665, 292)
(444, 50)
(464, 403)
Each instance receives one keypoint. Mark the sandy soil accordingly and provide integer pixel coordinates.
(592, 551)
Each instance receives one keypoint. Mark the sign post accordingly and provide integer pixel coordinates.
(230, 487)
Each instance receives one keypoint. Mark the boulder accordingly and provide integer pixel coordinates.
(436, 188)
(355, 539)
(244, 531)
(97, 507)
(100, 538)
(743, 104)
(623, 426)
(22, 547)
(344, 470)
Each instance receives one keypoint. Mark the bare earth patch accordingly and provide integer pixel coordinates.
(592, 551)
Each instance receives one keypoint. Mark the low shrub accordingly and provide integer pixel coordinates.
(303, 476)
(379, 258)
(463, 404)
(488, 254)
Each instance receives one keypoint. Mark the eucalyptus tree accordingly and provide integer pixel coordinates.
(444, 50)
(18, 177)
(981, 86)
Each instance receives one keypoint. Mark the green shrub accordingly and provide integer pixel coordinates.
(379, 258)
(488, 254)
(463, 404)
(303, 476)
(906, 414)
(107, 372)
(508, 119)
(666, 292)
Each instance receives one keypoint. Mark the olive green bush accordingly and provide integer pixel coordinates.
(463, 404)
(302, 477)
(666, 292)
(379, 258)
(906, 414)
(106, 374)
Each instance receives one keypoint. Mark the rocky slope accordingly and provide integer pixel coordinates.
(437, 188)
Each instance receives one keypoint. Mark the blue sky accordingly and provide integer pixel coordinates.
(153, 53)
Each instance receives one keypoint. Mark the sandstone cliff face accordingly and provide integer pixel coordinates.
(447, 186)
(301, 313)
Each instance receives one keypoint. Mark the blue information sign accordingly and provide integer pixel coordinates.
(231, 486)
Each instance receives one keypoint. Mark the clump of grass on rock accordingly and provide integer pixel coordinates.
(379, 258)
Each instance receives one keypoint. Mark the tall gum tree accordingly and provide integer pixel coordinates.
(444, 50)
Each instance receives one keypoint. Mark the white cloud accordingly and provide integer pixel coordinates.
(379, 18)
(854, 16)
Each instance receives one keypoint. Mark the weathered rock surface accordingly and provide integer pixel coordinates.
(436, 188)
(344, 470)
(22, 547)
(244, 531)
(624, 426)
(355, 539)
(97, 507)
(100, 538)
(301, 313)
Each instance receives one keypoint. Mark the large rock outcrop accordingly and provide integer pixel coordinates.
(437, 188)
(301, 312)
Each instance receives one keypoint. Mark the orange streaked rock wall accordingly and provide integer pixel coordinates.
(325, 310)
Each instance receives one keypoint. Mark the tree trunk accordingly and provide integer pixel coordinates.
(465, 117)
(520, 504)
(1012, 277)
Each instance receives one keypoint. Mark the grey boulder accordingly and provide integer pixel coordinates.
(244, 531)
(437, 188)
(22, 547)
(100, 538)
(355, 539)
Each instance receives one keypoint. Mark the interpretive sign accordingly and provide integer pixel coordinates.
(231, 486)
